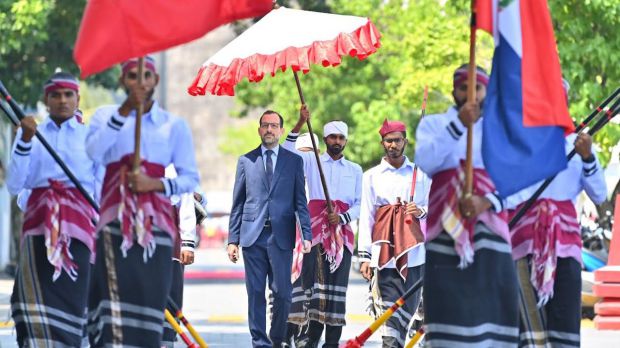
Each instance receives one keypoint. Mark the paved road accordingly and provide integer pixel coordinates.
(218, 309)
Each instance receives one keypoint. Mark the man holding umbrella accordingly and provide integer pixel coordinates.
(132, 274)
(326, 268)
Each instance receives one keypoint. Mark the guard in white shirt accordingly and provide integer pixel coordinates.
(319, 295)
(548, 237)
(391, 251)
(133, 273)
(470, 280)
(183, 255)
(58, 238)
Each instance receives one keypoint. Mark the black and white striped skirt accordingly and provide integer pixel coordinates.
(128, 295)
(476, 306)
(50, 313)
(327, 303)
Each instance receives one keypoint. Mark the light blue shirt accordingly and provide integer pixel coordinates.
(31, 165)
(166, 139)
(274, 156)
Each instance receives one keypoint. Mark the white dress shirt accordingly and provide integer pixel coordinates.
(570, 182)
(381, 185)
(441, 144)
(31, 165)
(187, 214)
(166, 139)
(343, 177)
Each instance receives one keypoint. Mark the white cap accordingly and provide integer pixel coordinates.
(336, 127)
(304, 141)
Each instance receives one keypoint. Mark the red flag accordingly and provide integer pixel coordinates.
(113, 31)
(485, 15)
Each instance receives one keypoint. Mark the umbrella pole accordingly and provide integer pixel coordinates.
(139, 112)
(314, 147)
(471, 98)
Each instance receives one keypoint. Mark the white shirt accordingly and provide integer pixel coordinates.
(441, 144)
(31, 165)
(343, 177)
(570, 182)
(381, 185)
(187, 214)
(166, 139)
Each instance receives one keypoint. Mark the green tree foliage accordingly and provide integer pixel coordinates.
(423, 41)
(38, 37)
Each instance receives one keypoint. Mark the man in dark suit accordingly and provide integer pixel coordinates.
(269, 190)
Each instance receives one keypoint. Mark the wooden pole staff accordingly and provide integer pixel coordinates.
(314, 147)
(139, 112)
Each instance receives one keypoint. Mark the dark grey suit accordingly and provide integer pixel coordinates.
(268, 251)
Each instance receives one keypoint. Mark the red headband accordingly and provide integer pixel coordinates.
(57, 83)
(392, 126)
(149, 63)
(460, 77)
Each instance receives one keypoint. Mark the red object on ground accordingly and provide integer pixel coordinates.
(113, 31)
(606, 290)
(607, 283)
(214, 275)
(608, 308)
(607, 274)
(607, 323)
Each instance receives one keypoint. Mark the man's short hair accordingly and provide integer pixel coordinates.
(260, 120)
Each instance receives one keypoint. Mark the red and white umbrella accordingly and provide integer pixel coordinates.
(287, 38)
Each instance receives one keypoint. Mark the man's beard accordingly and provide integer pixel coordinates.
(266, 142)
(335, 150)
(394, 154)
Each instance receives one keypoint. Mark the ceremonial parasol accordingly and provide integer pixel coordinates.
(287, 38)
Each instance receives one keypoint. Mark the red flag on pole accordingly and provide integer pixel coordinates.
(113, 31)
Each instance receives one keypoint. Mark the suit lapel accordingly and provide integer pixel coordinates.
(260, 168)
(280, 163)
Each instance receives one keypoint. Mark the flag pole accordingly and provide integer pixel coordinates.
(137, 131)
(471, 98)
(409, 217)
(314, 147)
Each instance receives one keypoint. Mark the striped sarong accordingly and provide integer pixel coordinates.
(386, 287)
(46, 312)
(128, 293)
(476, 306)
(561, 315)
(327, 302)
